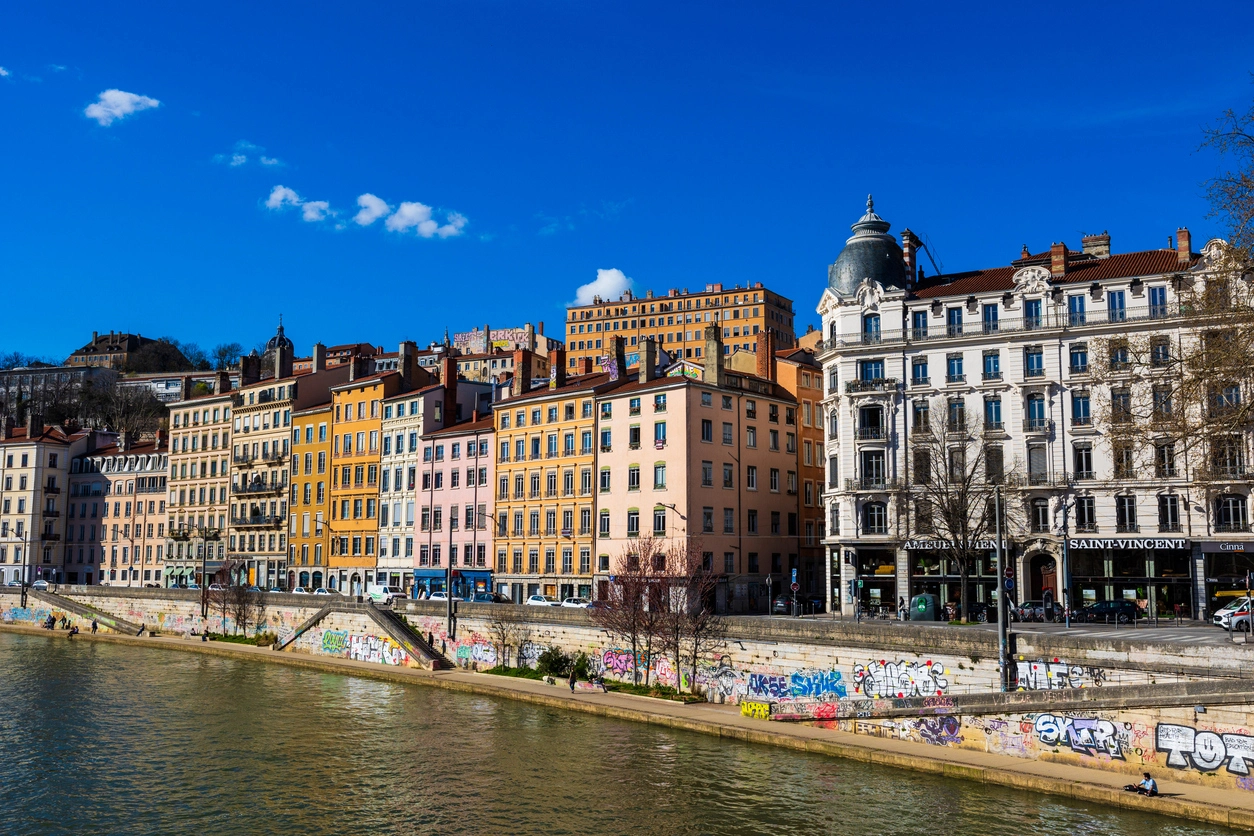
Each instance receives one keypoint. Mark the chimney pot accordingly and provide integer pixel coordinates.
(648, 360)
(1184, 246)
(766, 355)
(713, 369)
(1098, 245)
(1058, 259)
(557, 368)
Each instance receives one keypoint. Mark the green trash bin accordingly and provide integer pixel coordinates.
(926, 607)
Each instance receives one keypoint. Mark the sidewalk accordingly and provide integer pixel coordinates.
(1233, 808)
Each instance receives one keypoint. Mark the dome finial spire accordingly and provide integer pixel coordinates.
(870, 204)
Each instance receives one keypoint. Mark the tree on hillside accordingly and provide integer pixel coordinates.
(955, 471)
(163, 355)
(123, 409)
(226, 355)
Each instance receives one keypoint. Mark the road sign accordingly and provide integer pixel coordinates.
(859, 584)
(1010, 584)
(794, 575)
(1010, 572)
(796, 587)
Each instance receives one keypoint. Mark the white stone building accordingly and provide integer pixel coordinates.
(1005, 353)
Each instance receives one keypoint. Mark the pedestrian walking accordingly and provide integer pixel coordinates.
(94, 626)
(901, 609)
(572, 680)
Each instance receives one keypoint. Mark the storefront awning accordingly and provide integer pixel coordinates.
(429, 573)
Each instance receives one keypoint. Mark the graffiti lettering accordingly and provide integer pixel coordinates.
(375, 649)
(1206, 751)
(1085, 735)
(334, 641)
(816, 684)
(1056, 675)
(767, 687)
(940, 731)
(900, 679)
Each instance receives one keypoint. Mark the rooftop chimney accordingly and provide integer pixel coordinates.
(186, 387)
(6, 427)
(407, 363)
(319, 357)
(910, 244)
(713, 371)
(1058, 259)
(618, 368)
(1184, 249)
(583, 366)
(34, 425)
(448, 379)
(648, 360)
(487, 339)
(522, 371)
(1098, 245)
(766, 354)
(529, 337)
(249, 369)
(282, 362)
(222, 383)
(557, 368)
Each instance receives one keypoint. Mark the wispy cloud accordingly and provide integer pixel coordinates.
(243, 152)
(372, 208)
(609, 284)
(114, 104)
(4, 73)
(606, 210)
(410, 217)
(311, 211)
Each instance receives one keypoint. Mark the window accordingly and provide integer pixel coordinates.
(1039, 516)
(918, 372)
(729, 520)
(994, 466)
(870, 329)
(633, 477)
(1079, 358)
(1119, 361)
(751, 437)
(633, 523)
(1031, 314)
(953, 322)
(1168, 512)
(1160, 352)
(989, 318)
(727, 475)
(727, 433)
(659, 477)
(992, 365)
(707, 430)
(992, 414)
(1036, 420)
(751, 478)
(1116, 306)
(1085, 514)
(953, 369)
(1120, 406)
(1082, 455)
(707, 474)
(1124, 461)
(869, 371)
(1230, 514)
(875, 518)
(1162, 404)
(918, 328)
(1033, 362)
(659, 522)
(922, 418)
(1076, 310)
(751, 521)
(1081, 414)
(1157, 302)
(956, 415)
(605, 480)
(1125, 514)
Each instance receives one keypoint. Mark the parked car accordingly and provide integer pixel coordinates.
(299, 590)
(783, 605)
(489, 598)
(1118, 610)
(600, 604)
(542, 601)
(322, 590)
(443, 596)
(576, 603)
(274, 589)
(1034, 611)
(14, 583)
(216, 587)
(39, 584)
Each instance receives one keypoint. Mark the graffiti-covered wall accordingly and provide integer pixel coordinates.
(352, 636)
(1215, 748)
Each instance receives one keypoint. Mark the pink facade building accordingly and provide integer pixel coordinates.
(455, 514)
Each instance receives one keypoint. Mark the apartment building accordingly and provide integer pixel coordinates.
(309, 537)
(677, 322)
(34, 470)
(457, 480)
(1004, 353)
(112, 350)
(116, 514)
(546, 457)
(198, 502)
(703, 457)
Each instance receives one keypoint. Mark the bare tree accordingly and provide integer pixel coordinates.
(1231, 194)
(247, 607)
(955, 471)
(688, 627)
(630, 614)
(508, 629)
(226, 355)
(123, 409)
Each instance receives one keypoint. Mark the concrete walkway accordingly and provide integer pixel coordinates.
(1234, 808)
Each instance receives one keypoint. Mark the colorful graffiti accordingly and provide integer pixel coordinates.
(335, 641)
(939, 731)
(1084, 735)
(1056, 675)
(1205, 751)
(479, 653)
(816, 684)
(767, 687)
(900, 679)
(377, 649)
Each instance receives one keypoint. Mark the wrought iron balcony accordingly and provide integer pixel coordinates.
(259, 521)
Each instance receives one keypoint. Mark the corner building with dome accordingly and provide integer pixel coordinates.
(1002, 356)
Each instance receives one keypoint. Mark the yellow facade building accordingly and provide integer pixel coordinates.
(309, 536)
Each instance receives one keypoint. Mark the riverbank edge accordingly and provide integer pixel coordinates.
(936, 761)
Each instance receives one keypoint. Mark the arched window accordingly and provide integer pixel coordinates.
(1230, 513)
(875, 518)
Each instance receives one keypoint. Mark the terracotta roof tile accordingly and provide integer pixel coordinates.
(1122, 266)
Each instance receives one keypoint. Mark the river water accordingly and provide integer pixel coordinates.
(112, 739)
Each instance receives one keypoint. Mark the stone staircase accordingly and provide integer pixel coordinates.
(388, 622)
(112, 622)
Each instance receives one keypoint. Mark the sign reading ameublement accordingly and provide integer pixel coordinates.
(946, 545)
(1128, 543)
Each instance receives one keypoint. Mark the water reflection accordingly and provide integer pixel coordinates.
(98, 738)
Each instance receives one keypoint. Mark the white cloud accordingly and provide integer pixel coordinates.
(4, 73)
(315, 210)
(282, 196)
(372, 208)
(609, 284)
(409, 215)
(242, 152)
(117, 104)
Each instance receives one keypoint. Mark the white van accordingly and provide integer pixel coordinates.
(382, 593)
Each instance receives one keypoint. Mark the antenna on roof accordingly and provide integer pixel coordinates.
(927, 248)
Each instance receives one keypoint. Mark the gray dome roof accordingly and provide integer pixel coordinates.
(279, 339)
(871, 253)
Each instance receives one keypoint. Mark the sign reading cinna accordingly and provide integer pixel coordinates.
(1128, 543)
(945, 545)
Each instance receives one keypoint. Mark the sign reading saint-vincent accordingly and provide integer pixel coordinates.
(945, 545)
(1128, 543)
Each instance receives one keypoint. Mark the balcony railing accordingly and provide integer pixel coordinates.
(48, 535)
(882, 384)
(51, 490)
(260, 487)
(1231, 527)
(259, 520)
(1127, 527)
(994, 426)
(1225, 473)
(871, 433)
(1169, 526)
(1080, 369)
(920, 380)
(992, 375)
(1053, 320)
(244, 460)
(1083, 475)
(1033, 372)
(955, 378)
(870, 483)
(1086, 527)
(1037, 425)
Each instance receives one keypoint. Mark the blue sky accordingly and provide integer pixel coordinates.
(509, 151)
